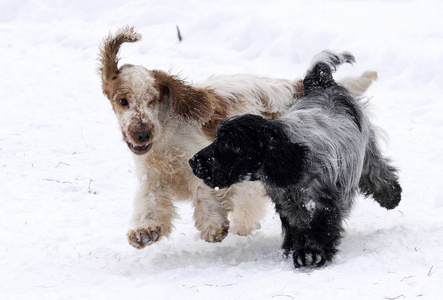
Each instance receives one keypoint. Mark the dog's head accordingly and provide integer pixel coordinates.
(249, 147)
(235, 155)
(146, 101)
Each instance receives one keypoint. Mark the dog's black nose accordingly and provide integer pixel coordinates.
(142, 135)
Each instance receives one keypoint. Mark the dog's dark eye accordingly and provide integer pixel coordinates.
(123, 102)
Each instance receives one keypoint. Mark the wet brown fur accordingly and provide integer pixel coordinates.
(109, 55)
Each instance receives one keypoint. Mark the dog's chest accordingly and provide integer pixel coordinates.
(168, 171)
(294, 202)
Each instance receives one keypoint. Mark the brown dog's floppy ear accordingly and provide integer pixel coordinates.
(191, 105)
(108, 57)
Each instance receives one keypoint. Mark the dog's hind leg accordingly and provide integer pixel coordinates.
(379, 178)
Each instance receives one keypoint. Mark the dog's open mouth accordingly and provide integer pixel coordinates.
(139, 150)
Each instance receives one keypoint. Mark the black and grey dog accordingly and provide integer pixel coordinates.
(312, 162)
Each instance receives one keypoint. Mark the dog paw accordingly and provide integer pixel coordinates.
(215, 234)
(142, 237)
(309, 258)
(243, 230)
(390, 196)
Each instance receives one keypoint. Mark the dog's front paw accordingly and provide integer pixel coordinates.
(141, 237)
(306, 257)
(214, 234)
(241, 230)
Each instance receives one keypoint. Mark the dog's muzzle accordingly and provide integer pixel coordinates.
(140, 138)
(201, 170)
(197, 167)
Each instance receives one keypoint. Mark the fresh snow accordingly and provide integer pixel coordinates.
(67, 179)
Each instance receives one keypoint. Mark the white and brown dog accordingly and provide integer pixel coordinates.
(165, 120)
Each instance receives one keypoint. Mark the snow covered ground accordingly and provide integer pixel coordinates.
(67, 180)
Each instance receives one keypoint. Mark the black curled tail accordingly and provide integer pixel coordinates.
(319, 75)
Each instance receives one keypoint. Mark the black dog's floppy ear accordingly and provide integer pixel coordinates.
(284, 163)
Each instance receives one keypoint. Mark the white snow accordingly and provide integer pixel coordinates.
(67, 179)
(310, 205)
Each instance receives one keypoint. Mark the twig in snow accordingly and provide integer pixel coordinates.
(221, 285)
(61, 163)
(89, 188)
(406, 278)
(58, 181)
(179, 34)
(192, 287)
(430, 271)
(398, 297)
(289, 296)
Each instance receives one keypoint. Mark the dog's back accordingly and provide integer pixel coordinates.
(378, 178)
(331, 122)
(324, 96)
(272, 97)
(346, 149)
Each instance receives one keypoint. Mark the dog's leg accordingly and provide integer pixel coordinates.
(210, 215)
(379, 178)
(152, 218)
(314, 229)
(249, 207)
(288, 233)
